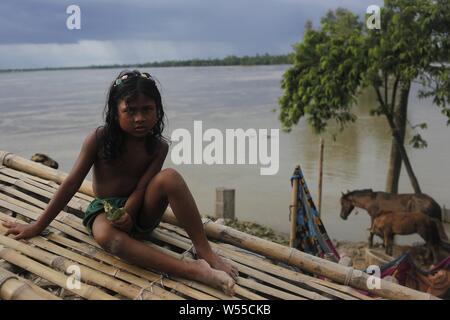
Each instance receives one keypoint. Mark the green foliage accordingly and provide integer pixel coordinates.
(326, 74)
(332, 63)
(422, 125)
(417, 142)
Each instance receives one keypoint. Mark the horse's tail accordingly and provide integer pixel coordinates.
(435, 238)
(440, 228)
(432, 208)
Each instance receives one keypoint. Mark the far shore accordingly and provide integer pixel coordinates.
(257, 60)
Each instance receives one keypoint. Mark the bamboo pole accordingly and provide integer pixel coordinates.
(112, 266)
(87, 274)
(185, 244)
(13, 161)
(85, 291)
(43, 294)
(293, 208)
(75, 204)
(318, 266)
(37, 205)
(54, 224)
(146, 275)
(15, 288)
(237, 289)
(60, 263)
(40, 183)
(231, 252)
(319, 184)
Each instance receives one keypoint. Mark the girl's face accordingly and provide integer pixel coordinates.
(138, 117)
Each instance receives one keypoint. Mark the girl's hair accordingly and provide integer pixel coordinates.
(128, 86)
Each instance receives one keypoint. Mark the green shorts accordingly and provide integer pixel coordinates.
(96, 207)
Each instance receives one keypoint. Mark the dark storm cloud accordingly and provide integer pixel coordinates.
(175, 28)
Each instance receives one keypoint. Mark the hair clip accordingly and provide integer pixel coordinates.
(126, 76)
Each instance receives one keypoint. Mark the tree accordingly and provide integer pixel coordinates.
(332, 64)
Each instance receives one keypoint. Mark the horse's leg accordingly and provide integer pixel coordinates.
(391, 244)
(371, 233)
(371, 238)
(386, 242)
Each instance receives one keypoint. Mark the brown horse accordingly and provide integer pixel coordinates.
(390, 223)
(376, 202)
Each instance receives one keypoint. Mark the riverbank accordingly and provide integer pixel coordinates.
(257, 60)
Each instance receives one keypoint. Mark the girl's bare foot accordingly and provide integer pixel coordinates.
(216, 278)
(216, 262)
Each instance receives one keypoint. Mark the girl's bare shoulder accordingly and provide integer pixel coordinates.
(162, 148)
(92, 141)
(163, 145)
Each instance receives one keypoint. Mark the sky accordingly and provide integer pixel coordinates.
(34, 34)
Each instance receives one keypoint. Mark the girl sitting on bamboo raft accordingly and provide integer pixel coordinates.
(127, 153)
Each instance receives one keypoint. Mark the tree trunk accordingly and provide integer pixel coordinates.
(401, 147)
(395, 161)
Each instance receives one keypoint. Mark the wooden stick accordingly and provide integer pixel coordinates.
(293, 208)
(319, 185)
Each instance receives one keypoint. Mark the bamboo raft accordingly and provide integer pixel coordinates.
(266, 270)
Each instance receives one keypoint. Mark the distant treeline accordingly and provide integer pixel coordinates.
(265, 59)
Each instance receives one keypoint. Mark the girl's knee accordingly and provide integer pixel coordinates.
(111, 242)
(169, 179)
(171, 173)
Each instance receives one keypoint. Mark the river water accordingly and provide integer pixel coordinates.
(52, 111)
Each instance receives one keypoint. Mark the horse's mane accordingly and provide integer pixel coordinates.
(362, 192)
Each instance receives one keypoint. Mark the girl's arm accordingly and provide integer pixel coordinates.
(72, 183)
(134, 202)
(64, 193)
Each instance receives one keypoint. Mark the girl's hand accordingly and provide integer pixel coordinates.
(124, 223)
(21, 231)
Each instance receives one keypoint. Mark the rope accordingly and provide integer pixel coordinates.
(348, 276)
(116, 272)
(150, 286)
(183, 255)
(290, 255)
(208, 220)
